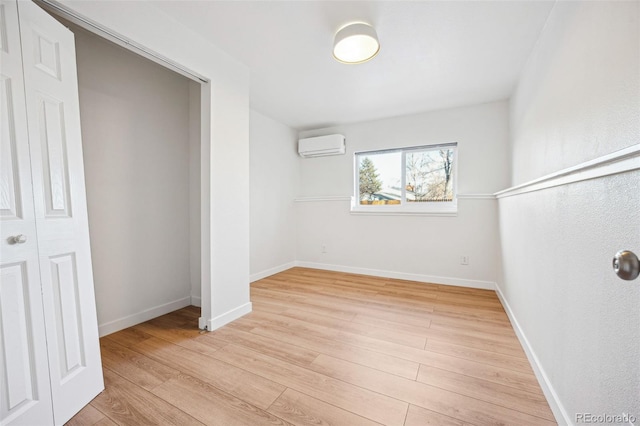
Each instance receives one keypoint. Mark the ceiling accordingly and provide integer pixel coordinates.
(434, 54)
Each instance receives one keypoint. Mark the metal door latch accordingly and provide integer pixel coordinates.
(626, 265)
(17, 239)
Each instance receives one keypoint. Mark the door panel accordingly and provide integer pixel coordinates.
(15, 323)
(54, 157)
(10, 199)
(68, 316)
(47, 55)
(24, 370)
(51, 91)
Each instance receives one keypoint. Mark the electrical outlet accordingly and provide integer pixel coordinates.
(323, 248)
(464, 260)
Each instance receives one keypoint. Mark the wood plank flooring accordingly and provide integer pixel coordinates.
(325, 348)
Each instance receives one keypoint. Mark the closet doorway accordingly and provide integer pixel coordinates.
(141, 135)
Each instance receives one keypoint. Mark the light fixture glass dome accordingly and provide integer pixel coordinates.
(355, 43)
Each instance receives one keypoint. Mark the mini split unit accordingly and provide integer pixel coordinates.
(320, 146)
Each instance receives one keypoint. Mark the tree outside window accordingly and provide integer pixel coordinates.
(428, 175)
(368, 180)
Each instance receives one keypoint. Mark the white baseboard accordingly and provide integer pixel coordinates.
(196, 301)
(561, 415)
(146, 315)
(459, 282)
(226, 318)
(271, 271)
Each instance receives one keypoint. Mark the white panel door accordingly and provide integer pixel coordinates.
(25, 396)
(51, 91)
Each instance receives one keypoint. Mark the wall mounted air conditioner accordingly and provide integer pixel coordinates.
(320, 146)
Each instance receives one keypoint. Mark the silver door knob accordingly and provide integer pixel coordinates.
(17, 239)
(626, 265)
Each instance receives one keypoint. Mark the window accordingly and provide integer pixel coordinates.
(419, 179)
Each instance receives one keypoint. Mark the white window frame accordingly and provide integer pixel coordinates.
(440, 208)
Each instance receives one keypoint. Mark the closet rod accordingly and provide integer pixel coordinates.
(96, 28)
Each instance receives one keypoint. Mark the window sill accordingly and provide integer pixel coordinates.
(377, 212)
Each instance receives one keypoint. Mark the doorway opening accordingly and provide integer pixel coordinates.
(141, 132)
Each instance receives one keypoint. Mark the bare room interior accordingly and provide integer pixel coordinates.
(215, 213)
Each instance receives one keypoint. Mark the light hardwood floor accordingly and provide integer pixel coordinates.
(325, 348)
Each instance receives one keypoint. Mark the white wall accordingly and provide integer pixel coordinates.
(135, 129)
(423, 248)
(275, 179)
(578, 99)
(224, 146)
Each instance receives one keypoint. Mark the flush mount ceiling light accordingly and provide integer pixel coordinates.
(355, 43)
